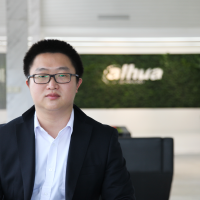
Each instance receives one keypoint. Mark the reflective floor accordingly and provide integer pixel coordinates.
(186, 181)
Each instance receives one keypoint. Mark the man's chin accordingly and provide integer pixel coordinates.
(54, 107)
(57, 108)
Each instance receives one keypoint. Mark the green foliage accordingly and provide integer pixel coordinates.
(179, 86)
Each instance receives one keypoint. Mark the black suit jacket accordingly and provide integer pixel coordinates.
(95, 163)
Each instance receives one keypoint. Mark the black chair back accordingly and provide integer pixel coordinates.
(150, 163)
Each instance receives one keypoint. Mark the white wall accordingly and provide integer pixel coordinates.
(182, 124)
(3, 116)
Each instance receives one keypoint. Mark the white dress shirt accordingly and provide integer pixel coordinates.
(51, 161)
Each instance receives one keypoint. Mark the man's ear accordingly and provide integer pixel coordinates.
(78, 84)
(27, 82)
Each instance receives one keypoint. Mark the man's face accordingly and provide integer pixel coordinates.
(53, 96)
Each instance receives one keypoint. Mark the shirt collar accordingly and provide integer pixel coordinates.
(69, 124)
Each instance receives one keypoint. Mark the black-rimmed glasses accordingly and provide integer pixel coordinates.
(59, 78)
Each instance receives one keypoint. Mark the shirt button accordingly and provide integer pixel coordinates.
(50, 169)
(45, 194)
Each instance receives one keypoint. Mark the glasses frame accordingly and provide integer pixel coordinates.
(52, 75)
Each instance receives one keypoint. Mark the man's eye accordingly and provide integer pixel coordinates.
(43, 76)
(62, 75)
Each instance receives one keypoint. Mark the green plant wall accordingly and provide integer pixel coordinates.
(179, 86)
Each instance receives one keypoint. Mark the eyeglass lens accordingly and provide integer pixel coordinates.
(44, 78)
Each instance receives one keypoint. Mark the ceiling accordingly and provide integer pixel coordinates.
(143, 24)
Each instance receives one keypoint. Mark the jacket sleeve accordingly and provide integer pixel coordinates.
(1, 190)
(1, 193)
(117, 184)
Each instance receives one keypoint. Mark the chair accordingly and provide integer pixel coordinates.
(150, 164)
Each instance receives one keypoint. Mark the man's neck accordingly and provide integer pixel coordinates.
(53, 121)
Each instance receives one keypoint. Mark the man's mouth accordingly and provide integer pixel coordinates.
(52, 96)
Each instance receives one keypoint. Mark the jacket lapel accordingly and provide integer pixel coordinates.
(26, 146)
(78, 147)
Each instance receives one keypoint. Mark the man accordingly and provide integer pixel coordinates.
(54, 151)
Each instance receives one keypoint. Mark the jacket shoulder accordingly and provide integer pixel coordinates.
(6, 128)
(97, 126)
(102, 130)
(10, 126)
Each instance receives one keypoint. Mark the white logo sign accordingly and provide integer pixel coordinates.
(129, 74)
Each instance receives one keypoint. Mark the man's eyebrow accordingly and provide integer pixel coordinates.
(41, 69)
(46, 69)
(63, 68)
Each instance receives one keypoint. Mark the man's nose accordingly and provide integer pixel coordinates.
(52, 83)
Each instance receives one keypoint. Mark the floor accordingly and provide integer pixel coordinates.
(186, 181)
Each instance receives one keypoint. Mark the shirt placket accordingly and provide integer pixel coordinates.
(50, 171)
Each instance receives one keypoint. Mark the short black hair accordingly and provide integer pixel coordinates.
(52, 46)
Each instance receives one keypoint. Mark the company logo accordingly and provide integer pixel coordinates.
(129, 74)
